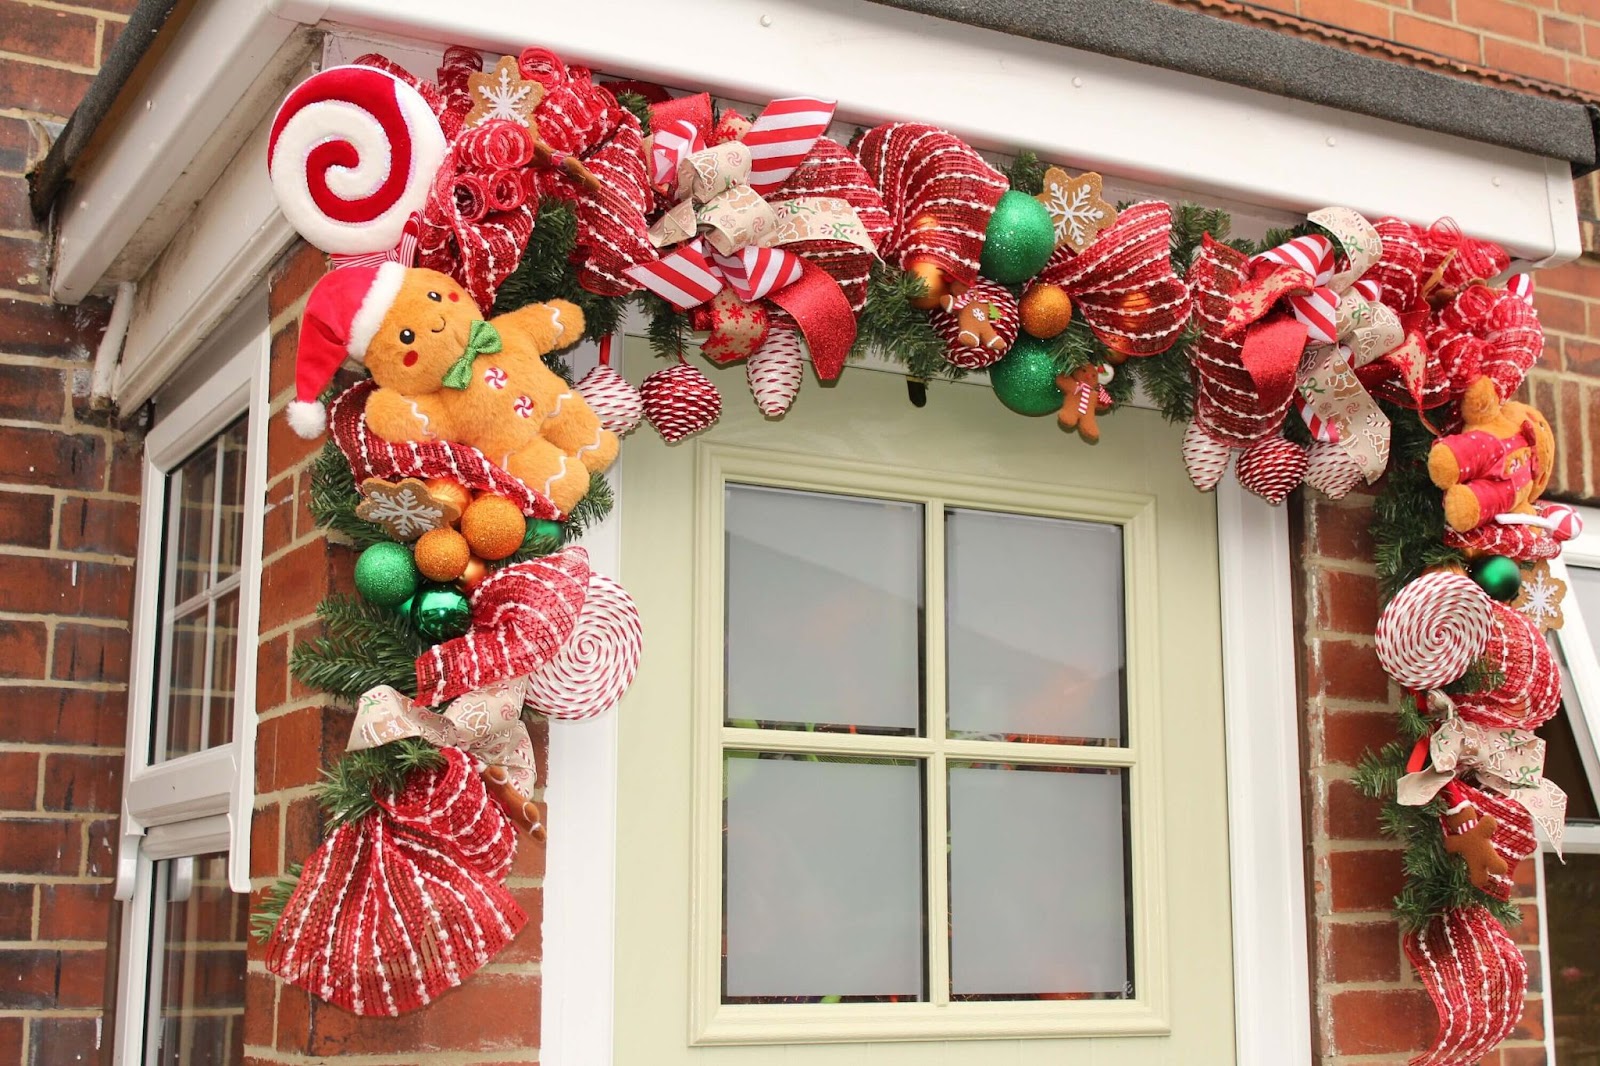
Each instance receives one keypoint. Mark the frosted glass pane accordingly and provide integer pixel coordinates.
(824, 610)
(1034, 623)
(1585, 584)
(823, 892)
(1038, 883)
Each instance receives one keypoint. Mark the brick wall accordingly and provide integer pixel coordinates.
(494, 1018)
(67, 529)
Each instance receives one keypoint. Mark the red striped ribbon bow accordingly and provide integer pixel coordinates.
(778, 140)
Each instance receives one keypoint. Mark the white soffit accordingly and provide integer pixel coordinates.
(1004, 93)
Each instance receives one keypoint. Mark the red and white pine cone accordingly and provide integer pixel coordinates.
(680, 401)
(1331, 471)
(610, 396)
(775, 371)
(1205, 457)
(1272, 468)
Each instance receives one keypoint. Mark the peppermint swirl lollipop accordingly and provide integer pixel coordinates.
(352, 153)
(597, 664)
(1434, 629)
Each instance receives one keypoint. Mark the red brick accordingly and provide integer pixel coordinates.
(51, 458)
(16, 913)
(45, 34)
(1499, 16)
(1521, 59)
(19, 780)
(1341, 532)
(302, 829)
(37, 980)
(127, 466)
(1586, 8)
(1439, 9)
(301, 267)
(1526, 932)
(1568, 425)
(47, 90)
(1349, 671)
(1531, 1027)
(60, 1041)
(260, 1000)
(22, 259)
(1381, 1022)
(1358, 15)
(52, 329)
(100, 848)
(25, 519)
(265, 832)
(528, 946)
(66, 715)
(1364, 880)
(17, 146)
(1346, 602)
(1349, 815)
(272, 671)
(36, 585)
(1362, 951)
(1562, 33)
(90, 653)
(75, 912)
(107, 527)
(285, 343)
(83, 783)
(289, 750)
(40, 846)
(22, 648)
(1564, 314)
(488, 1013)
(1347, 735)
(285, 447)
(1581, 357)
(293, 585)
(1436, 37)
(277, 527)
(15, 212)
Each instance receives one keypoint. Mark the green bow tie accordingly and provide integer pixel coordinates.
(484, 339)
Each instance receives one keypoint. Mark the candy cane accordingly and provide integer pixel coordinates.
(352, 154)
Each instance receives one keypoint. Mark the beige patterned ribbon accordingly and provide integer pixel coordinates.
(1507, 761)
(485, 722)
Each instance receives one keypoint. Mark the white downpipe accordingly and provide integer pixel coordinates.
(102, 383)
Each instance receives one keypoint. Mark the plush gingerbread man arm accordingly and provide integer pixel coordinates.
(393, 415)
(546, 327)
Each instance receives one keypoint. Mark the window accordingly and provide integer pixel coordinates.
(1570, 888)
(933, 806)
(183, 855)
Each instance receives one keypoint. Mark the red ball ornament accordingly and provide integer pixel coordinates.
(680, 401)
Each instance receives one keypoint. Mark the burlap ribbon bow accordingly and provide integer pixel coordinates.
(1507, 761)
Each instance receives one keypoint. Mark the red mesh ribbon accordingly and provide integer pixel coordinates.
(830, 170)
(1477, 978)
(1489, 332)
(926, 173)
(1513, 838)
(406, 903)
(1229, 402)
(372, 456)
(1123, 284)
(1529, 692)
(1523, 543)
(521, 616)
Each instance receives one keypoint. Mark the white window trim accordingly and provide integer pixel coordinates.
(202, 802)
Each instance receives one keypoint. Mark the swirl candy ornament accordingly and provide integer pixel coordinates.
(597, 663)
(352, 154)
(1434, 629)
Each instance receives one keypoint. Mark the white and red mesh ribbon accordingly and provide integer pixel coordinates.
(595, 666)
(1529, 690)
(406, 903)
(1490, 332)
(1477, 978)
(522, 615)
(372, 456)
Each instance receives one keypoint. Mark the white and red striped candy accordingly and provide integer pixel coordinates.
(597, 663)
(782, 135)
(1434, 629)
(1331, 470)
(1204, 457)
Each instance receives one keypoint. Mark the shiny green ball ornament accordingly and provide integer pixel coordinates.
(1025, 379)
(543, 536)
(1500, 577)
(386, 574)
(1019, 240)
(439, 612)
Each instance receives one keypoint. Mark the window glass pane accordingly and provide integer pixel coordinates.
(230, 547)
(823, 892)
(1039, 905)
(1585, 584)
(192, 496)
(186, 684)
(1572, 896)
(824, 611)
(1034, 628)
(224, 642)
(201, 953)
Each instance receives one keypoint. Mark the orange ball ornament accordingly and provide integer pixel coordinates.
(442, 554)
(449, 490)
(1046, 310)
(474, 574)
(494, 526)
(933, 279)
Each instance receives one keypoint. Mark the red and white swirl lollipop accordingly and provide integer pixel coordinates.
(352, 153)
(1434, 630)
(597, 663)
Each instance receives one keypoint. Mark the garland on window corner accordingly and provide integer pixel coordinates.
(1331, 354)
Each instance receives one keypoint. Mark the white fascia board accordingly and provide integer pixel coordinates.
(227, 64)
(1005, 93)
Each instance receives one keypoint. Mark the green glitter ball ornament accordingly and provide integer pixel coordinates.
(1500, 577)
(1019, 240)
(439, 612)
(386, 574)
(1025, 379)
(543, 536)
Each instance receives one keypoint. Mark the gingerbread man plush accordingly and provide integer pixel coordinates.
(1499, 464)
(444, 373)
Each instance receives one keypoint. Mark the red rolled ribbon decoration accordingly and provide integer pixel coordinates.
(1477, 978)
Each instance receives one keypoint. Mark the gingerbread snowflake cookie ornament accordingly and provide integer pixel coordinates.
(1076, 207)
(405, 509)
(503, 93)
(1540, 598)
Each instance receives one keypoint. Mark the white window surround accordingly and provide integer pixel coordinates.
(202, 802)
(899, 69)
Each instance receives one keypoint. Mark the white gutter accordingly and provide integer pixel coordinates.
(105, 357)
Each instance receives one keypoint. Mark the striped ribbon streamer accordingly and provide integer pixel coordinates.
(1318, 309)
(692, 274)
(781, 137)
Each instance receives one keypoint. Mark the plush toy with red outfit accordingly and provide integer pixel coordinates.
(1499, 464)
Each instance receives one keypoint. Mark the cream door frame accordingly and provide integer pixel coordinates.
(1271, 970)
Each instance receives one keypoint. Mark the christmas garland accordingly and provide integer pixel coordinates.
(1339, 353)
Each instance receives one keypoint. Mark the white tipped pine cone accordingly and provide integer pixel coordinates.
(680, 401)
(1271, 468)
(1331, 471)
(774, 372)
(609, 396)
(1204, 456)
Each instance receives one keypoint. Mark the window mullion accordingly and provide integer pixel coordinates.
(935, 715)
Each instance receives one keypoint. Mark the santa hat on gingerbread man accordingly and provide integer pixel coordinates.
(342, 316)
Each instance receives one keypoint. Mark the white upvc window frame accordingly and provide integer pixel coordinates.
(199, 803)
(1576, 638)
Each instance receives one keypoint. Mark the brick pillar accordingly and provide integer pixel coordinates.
(496, 1013)
(68, 526)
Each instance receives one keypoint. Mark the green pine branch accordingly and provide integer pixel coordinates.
(1026, 174)
(364, 646)
(333, 499)
(346, 789)
(274, 898)
(890, 326)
